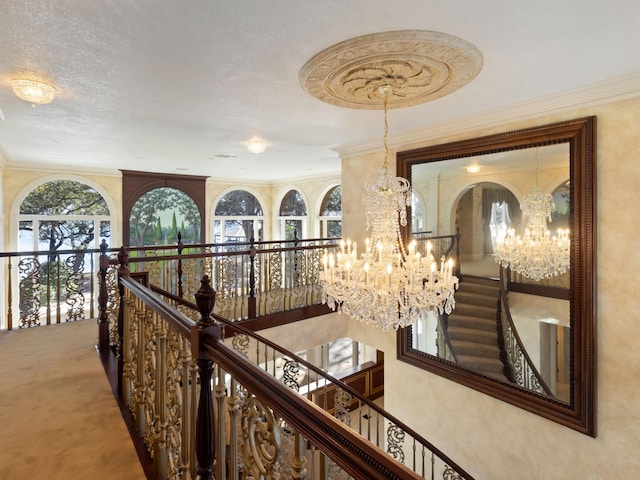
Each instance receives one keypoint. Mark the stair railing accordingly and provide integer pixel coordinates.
(523, 370)
(280, 416)
(445, 347)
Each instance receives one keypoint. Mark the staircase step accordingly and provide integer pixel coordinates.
(470, 321)
(480, 280)
(489, 290)
(471, 310)
(475, 349)
(489, 337)
(481, 364)
(476, 299)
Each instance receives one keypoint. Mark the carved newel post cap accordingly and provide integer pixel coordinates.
(205, 297)
(122, 255)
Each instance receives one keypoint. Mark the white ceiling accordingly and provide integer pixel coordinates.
(180, 86)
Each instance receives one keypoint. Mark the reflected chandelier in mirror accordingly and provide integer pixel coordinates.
(528, 342)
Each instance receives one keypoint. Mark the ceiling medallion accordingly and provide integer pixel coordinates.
(421, 65)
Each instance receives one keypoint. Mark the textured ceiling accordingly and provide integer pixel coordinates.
(181, 86)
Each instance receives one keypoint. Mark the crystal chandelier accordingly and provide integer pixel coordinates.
(536, 254)
(388, 285)
(33, 91)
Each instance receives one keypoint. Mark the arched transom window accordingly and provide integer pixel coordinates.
(331, 213)
(238, 217)
(292, 216)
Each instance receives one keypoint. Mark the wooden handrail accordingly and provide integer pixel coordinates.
(344, 446)
(237, 327)
(289, 403)
(360, 458)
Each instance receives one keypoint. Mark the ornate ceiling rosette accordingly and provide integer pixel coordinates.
(420, 66)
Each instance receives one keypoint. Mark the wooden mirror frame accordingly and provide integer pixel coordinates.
(580, 412)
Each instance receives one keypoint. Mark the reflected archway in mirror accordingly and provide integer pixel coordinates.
(563, 386)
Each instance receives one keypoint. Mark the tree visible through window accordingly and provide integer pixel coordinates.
(331, 213)
(62, 213)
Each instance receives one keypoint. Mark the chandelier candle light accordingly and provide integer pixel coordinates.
(388, 286)
(537, 254)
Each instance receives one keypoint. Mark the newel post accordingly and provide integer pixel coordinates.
(123, 271)
(205, 329)
(103, 298)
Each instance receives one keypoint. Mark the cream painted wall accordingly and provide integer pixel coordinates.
(494, 440)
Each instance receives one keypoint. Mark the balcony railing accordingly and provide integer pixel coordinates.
(265, 413)
(253, 279)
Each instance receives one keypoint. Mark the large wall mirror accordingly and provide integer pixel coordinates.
(528, 341)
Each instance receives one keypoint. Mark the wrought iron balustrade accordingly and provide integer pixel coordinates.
(523, 370)
(252, 278)
(48, 287)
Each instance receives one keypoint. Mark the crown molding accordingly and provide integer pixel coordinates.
(617, 89)
(47, 168)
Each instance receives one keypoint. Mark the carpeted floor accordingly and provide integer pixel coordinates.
(58, 416)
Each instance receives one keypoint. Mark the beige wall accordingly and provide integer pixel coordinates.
(494, 440)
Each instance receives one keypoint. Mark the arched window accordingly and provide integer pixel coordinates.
(62, 215)
(238, 217)
(331, 213)
(56, 217)
(293, 216)
(158, 215)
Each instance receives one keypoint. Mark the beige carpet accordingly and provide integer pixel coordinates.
(58, 416)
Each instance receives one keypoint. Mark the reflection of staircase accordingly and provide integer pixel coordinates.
(473, 326)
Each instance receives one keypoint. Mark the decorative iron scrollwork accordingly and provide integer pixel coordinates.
(291, 374)
(261, 440)
(395, 440)
(74, 284)
(29, 276)
(342, 401)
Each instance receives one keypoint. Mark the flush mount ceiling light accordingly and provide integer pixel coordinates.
(36, 92)
(256, 145)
